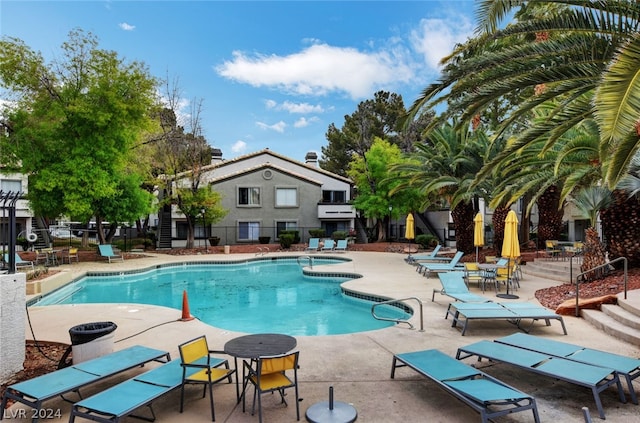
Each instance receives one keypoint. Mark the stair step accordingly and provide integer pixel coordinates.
(611, 326)
(632, 304)
(621, 315)
(553, 274)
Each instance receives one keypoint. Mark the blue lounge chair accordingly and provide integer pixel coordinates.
(427, 268)
(329, 244)
(121, 400)
(106, 250)
(34, 392)
(627, 367)
(314, 245)
(341, 245)
(487, 395)
(20, 264)
(412, 259)
(453, 286)
(595, 378)
(512, 312)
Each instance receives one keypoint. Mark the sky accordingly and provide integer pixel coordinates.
(269, 74)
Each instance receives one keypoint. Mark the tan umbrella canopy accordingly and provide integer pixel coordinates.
(478, 232)
(510, 246)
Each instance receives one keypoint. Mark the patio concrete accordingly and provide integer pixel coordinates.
(356, 365)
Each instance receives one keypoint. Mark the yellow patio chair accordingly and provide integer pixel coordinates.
(269, 375)
(199, 367)
(42, 255)
(552, 249)
(71, 253)
(509, 275)
(472, 273)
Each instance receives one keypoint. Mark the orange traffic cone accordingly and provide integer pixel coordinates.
(186, 314)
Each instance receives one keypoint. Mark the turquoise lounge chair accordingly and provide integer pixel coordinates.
(34, 392)
(595, 378)
(121, 400)
(106, 250)
(314, 245)
(487, 395)
(512, 312)
(19, 262)
(341, 245)
(329, 244)
(627, 367)
(453, 286)
(427, 268)
(412, 259)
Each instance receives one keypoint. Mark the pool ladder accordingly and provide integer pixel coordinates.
(398, 321)
(309, 260)
(262, 251)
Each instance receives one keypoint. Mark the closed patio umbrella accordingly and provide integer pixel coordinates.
(478, 232)
(410, 231)
(510, 247)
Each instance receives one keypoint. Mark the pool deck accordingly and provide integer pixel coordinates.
(357, 366)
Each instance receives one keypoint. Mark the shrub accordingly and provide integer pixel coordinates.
(295, 233)
(427, 240)
(286, 240)
(337, 235)
(317, 233)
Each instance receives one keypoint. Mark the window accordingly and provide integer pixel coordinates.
(249, 196)
(248, 231)
(11, 185)
(284, 225)
(286, 197)
(334, 196)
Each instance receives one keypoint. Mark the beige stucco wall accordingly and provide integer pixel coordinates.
(12, 324)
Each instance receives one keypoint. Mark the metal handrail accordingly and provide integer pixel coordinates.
(607, 264)
(373, 312)
(308, 258)
(262, 251)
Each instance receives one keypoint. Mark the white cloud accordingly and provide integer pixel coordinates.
(304, 122)
(321, 69)
(300, 108)
(126, 27)
(436, 38)
(239, 146)
(278, 127)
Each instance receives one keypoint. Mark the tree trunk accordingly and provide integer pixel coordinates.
(498, 218)
(593, 254)
(462, 216)
(621, 228)
(549, 216)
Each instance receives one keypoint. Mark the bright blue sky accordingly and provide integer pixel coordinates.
(271, 74)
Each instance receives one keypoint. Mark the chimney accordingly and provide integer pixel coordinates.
(311, 159)
(216, 155)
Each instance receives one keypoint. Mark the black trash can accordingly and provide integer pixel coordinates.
(91, 340)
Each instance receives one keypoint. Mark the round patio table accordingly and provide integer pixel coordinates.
(255, 346)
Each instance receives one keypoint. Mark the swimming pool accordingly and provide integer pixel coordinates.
(254, 296)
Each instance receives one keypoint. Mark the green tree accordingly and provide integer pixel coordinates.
(374, 181)
(381, 117)
(72, 125)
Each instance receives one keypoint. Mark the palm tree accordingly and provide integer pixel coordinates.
(588, 63)
(443, 168)
(589, 202)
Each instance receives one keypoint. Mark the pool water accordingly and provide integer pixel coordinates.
(253, 297)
